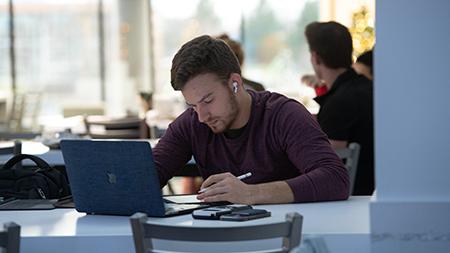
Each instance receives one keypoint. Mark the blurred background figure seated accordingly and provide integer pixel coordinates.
(237, 49)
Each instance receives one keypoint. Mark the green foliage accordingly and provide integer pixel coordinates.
(296, 38)
(261, 24)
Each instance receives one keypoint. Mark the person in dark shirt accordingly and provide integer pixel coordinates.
(346, 110)
(364, 64)
(237, 50)
(231, 132)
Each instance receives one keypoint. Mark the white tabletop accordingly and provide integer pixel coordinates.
(343, 224)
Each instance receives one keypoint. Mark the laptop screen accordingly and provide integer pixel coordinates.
(113, 177)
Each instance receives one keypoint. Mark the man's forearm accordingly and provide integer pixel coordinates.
(277, 192)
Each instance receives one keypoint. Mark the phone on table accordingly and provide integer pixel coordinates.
(243, 215)
(215, 212)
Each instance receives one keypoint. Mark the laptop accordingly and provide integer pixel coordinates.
(117, 177)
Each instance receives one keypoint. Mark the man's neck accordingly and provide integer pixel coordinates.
(244, 103)
(329, 76)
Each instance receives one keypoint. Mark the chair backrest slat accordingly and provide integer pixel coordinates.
(351, 157)
(217, 234)
(10, 238)
(289, 230)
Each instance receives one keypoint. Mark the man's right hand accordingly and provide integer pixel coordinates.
(311, 81)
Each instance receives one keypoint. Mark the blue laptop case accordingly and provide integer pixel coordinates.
(113, 177)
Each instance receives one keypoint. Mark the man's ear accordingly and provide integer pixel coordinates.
(235, 77)
(316, 58)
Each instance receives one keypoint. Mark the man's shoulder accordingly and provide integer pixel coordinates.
(360, 84)
(272, 104)
(357, 88)
(272, 100)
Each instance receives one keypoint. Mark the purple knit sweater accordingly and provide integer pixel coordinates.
(281, 142)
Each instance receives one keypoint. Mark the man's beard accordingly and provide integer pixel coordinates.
(229, 118)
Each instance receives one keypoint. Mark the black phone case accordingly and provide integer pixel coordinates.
(244, 215)
(214, 213)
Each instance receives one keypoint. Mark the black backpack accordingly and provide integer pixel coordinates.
(41, 182)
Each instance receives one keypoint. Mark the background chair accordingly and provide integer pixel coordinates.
(12, 148)
(102, 127)
(22, 112)
(350, 155)
(10, 238)
(19, 116)
(143, 233)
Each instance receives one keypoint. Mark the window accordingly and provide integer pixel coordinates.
(62, 52)
(276, 52)
(57, 51)
(5, 67)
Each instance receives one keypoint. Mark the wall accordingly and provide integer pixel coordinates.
(411, 210)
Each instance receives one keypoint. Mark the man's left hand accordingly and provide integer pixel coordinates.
(226, 187)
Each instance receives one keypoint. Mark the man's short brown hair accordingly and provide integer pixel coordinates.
(332, 42)
(203, 55)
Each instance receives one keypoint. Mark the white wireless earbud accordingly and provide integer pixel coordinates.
(235, 87)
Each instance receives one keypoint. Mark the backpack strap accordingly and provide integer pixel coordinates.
(17, 158)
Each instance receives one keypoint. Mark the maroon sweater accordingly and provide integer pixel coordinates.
(281, 142)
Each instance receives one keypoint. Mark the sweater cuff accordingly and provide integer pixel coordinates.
(302, 188)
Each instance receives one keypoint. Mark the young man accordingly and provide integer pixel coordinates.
(346, 110)
(231, 132)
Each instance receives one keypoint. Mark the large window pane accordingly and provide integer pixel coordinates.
(272, 35)
(57, 50)
(5, 68)
(276, 49)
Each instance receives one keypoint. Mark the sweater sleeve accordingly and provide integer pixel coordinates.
(173, 150)
(323, 176)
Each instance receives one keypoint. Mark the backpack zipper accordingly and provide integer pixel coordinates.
(41, 193)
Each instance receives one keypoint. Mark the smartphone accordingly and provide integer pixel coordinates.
(214, 213)
(243, 215)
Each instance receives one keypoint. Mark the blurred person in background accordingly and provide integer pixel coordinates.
(239, 52)
(362, 66)
(346, 109)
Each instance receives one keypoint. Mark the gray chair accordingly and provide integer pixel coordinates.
(13, 148)
(289, 230)
(350, 155)
(10, 238)
(115, 128)
(23, 106)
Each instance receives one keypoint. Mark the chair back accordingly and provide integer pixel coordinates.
(101, 127)
(289, 230)
(12, 148)
(350, 155)
(24, 106)
(10, 238)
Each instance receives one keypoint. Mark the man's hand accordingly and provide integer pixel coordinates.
(226, 187)
(311, 81)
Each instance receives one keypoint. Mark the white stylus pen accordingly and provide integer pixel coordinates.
(241, 177)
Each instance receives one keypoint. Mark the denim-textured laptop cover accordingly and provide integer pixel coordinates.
(113, 177)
